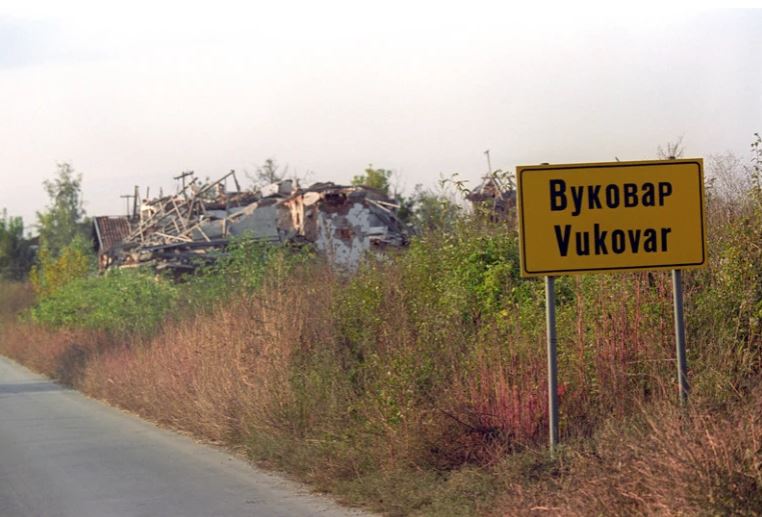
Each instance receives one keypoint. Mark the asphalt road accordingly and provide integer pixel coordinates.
(62, 454)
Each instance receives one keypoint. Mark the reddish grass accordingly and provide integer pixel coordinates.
(664, 461)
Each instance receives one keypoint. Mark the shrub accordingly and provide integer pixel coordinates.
(244, 267)
(120, 302)
(51, 273)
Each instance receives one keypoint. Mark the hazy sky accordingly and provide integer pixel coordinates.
(136, 92)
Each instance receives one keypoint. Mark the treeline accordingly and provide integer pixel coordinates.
(16, 250)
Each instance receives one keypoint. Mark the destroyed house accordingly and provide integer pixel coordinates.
(493, 199)
(193, 227)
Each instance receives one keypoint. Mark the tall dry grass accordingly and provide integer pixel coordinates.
(663, 460)
(61, 354)
(14, 298)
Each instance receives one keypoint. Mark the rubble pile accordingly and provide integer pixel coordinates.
(495, 200)
(194, 226)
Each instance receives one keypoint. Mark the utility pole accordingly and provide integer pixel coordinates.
(182, 177)
(127, 198)
(489, 164)
(135, 204)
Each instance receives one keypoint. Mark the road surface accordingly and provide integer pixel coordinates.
(62, 454)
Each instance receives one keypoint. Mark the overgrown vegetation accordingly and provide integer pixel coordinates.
(16, 253)
(51, 273)
(121, 302)
(138, 302)
(417, 386)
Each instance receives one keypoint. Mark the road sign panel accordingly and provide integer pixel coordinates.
(615, 216)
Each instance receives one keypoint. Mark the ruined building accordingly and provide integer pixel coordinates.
(491, 198)
(194, 226)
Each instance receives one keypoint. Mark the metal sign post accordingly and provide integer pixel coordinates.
(682, 363)
(550, 323)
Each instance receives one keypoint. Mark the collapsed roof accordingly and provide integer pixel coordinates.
(497, 201)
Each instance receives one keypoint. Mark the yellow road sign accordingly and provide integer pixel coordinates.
(614, 216)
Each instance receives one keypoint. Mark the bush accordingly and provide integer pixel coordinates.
(120, 302)
(51, 273)
(136, 301)
(245, 266)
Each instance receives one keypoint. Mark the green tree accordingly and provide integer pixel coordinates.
(64, 219)
(267, 173)
(15, 251)
(65, 252)
(374, 178)
(428, 210)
